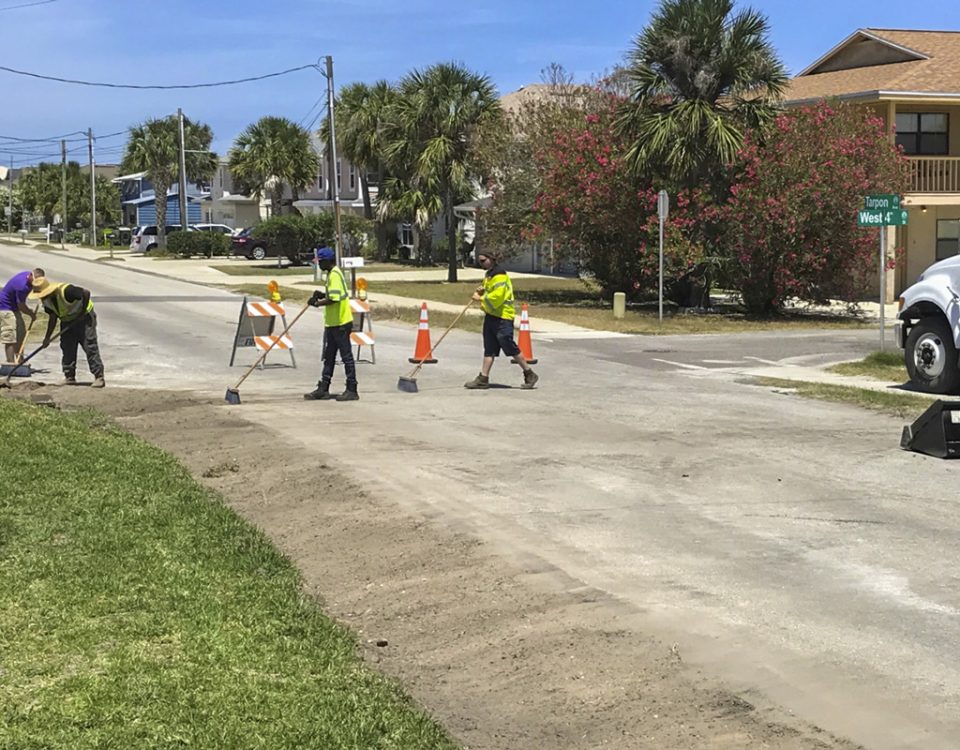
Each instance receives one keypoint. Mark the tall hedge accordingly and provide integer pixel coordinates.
(209, 244)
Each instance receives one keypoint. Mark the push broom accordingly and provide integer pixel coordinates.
(233, 394)
(409, 383)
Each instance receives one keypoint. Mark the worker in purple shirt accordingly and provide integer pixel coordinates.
(13, 306)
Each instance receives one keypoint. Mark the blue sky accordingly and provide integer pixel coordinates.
(509, 40)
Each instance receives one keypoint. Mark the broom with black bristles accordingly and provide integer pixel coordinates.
(409, 383)
(233, 394)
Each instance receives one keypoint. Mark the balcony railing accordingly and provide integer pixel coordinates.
(934, 174)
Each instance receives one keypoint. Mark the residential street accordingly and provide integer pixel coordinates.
(787, 547)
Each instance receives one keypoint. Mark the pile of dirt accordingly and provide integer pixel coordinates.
(503, 656)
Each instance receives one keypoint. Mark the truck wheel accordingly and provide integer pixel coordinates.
(931, 357)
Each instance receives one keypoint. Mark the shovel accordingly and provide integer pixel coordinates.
(17, 368)
(31, 355)
(409, 383)
(233, 394)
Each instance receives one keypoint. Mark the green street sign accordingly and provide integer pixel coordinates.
(885, 201)
(880, 218)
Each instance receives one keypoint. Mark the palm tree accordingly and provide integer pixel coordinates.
(154, 148)
(698, 76)
(427, 138)
(271, 154)
(360, 110)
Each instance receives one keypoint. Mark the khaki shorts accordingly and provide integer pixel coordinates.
(12, 329)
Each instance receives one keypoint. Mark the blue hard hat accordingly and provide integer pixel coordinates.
(324, 253)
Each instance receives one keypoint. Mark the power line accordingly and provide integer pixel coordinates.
(29, 5)
(51, 139)
(152, 87)
(318, 101)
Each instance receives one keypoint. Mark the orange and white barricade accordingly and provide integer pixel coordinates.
(258, 327)
(360, 337)
(362, 334)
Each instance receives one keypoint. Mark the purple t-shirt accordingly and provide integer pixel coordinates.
(15, 291)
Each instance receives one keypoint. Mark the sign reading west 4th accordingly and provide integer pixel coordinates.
(881, 218)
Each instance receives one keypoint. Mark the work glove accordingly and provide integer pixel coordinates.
(314, 301)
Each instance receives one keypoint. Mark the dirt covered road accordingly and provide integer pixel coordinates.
(506, 655)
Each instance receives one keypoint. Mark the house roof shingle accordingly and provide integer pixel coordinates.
(938, 73)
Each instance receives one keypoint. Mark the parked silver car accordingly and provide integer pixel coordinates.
(144, 239)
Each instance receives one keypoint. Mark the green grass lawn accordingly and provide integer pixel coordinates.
(260, 268)
(578, 302)
(880, 365)
(137, 611)
(903, 405)
(439, 320)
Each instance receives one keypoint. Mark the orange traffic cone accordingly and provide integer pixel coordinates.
(423, 351)
(524, 341)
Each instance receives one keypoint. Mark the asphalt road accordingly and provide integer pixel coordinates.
(786, 546)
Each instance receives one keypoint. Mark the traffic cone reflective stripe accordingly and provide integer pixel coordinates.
(423, 351)
(524, 341)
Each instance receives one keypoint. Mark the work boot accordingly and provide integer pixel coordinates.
(69, 380)
(98, 382)
(481, 381)
(530, 379)
(349, 395)
(321, 394)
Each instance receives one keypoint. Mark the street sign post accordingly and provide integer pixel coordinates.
(882, 210)
(663, 210)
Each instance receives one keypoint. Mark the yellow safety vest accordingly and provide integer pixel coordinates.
(57, 304)
(338, 314)
(498, 296)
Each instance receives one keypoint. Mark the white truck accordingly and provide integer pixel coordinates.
(929, 328)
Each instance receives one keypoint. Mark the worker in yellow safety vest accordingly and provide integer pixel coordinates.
(338, 323)
(72, 307)
(495, 296)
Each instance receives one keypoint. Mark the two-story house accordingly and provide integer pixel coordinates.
(911, 79)
(138, 201)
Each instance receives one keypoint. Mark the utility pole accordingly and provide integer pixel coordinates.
(93, 191)
(184, 223)
(10, 186)
(63, 182)
(333, 157)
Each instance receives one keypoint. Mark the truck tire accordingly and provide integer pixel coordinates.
(931, 357)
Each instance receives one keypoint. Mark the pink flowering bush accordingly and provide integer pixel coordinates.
(791, 217)
(590, 201)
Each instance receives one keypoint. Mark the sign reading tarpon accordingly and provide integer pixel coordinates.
(887, 202)
(881, 218)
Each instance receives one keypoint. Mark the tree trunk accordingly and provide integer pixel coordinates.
(160, 202)
(451, 239)
(416, 243)
(365, 192)
(276, 200)
(382, 250)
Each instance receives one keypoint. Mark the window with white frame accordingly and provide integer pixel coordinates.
(320, 180)
(948, 238)
(406, 234)
(923, 133)
(339, 170)
(353, 177)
